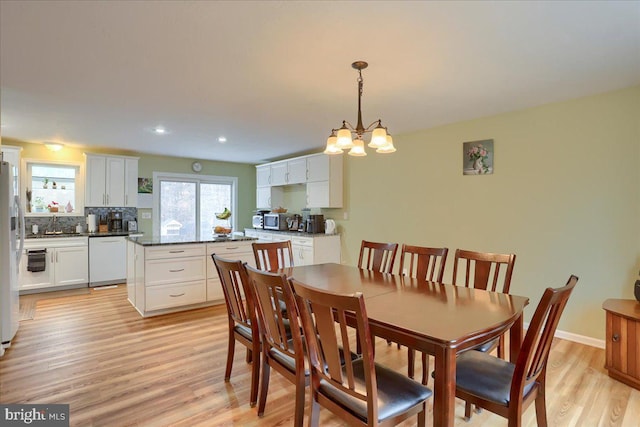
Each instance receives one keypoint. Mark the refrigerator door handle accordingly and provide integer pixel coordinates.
(22, 225)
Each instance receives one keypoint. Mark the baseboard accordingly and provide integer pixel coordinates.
(581, 339)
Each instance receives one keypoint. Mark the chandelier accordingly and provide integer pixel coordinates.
(343, 138)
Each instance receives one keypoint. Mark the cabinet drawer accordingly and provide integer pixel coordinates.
(302, 241)
(173, 251)
(167, 296)
(228, 249)
(164, 271)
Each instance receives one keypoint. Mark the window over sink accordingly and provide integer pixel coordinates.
(53, 188)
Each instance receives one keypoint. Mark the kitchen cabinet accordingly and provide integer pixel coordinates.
(307, 249)
(110, 181)
(229, 250)
(167, 277)
(66, 263)
(107, 260)
(269, 197)
(622, 344)
(322, 175)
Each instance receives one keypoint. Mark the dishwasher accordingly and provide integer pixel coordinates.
(107, 260)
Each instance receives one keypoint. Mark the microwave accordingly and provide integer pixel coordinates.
(275, 221)
(257, 222)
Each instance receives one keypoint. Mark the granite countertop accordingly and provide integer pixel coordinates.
(179, 240)
(57, 235)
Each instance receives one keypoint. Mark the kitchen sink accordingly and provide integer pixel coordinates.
(51, 234)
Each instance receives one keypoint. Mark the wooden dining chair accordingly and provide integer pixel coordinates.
(271, 256)
(243, 325)
(280, 330)
(358, 391)
(505, 388)
(487, 271)
(426, 264)
(377, 256)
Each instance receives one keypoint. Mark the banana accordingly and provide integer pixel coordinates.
(226, 214)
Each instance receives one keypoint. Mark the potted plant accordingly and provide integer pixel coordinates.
(53, 207)
(38, 204)
(45, 183)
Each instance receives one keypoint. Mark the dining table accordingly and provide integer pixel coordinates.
(440, 319)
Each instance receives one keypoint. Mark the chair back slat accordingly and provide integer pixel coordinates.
(325, 318)
(277, 326)
(488, 270)
(377, 256)
(534, 353)
(272, 256)
(423, 262)
(234, 281)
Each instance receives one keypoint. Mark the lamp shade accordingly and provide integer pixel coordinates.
(378, 137)
(332, 148)
(358, 148)
(344, 138)
(388, 147)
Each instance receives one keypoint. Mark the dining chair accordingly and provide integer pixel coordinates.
(271, 256)
(243, 325)
(377, 256)
(359, 391)
(280, 330)
(426, 264)
(484, 270)
(505, 388)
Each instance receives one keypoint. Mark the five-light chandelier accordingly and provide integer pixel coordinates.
(342, 139)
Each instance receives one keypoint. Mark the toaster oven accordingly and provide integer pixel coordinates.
(257, 221)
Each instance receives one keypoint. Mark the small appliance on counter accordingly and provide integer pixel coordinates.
(293, 222)
(329, 226)
(258, 219)
(115, 221)
(132, 225)
(315, 224)
(275, 221)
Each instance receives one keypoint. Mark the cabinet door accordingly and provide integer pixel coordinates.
(72, 265)
(115, 181)
(279, 173)
(131, 183)
(318, 168)
(263, 176)
(318, 194)
(37, 279)
(297, 171)
(131, 272)
(263, 198)
(96, 173)
(302, 255)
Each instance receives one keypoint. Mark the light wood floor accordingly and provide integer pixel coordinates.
(115, 368)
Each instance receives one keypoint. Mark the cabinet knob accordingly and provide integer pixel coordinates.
(616, 337)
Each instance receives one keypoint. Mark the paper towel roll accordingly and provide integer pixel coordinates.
(92, 224)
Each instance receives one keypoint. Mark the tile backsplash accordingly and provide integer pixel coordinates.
(68, 223)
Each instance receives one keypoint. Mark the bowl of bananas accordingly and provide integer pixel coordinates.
(223, 230)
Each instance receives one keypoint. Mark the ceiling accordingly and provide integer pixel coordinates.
(275, 77)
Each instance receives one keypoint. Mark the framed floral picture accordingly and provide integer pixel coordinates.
(477, 157)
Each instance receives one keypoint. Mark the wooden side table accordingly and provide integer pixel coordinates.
(623, 340)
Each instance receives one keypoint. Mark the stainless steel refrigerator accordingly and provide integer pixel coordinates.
(11, 232)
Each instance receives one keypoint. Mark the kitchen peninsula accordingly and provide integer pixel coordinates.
(171, 273)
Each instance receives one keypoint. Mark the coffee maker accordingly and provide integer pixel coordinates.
(115, 221)
(315, 224)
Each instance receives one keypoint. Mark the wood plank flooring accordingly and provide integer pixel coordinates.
(115, 368)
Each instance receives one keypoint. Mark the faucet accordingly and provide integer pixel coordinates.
(53, 223)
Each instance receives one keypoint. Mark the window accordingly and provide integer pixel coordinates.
(186, 205)
(53, 188)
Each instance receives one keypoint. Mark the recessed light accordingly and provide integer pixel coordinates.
(159, 130)
(222, 139)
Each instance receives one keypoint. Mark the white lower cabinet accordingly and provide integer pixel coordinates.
(66, 263)
(231, 251)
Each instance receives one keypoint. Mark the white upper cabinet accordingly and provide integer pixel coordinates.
(322, 175)
(263, 175)
(111, 181)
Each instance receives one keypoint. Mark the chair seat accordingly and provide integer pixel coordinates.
(488, 346)
(396, 393)
(486, 376)
(243, 330)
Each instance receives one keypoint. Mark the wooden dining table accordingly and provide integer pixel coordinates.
(439, 319)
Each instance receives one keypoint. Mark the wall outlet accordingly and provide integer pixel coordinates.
(146, 215)
(345, 215)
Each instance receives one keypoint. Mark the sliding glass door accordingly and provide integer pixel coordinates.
(187, 204)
